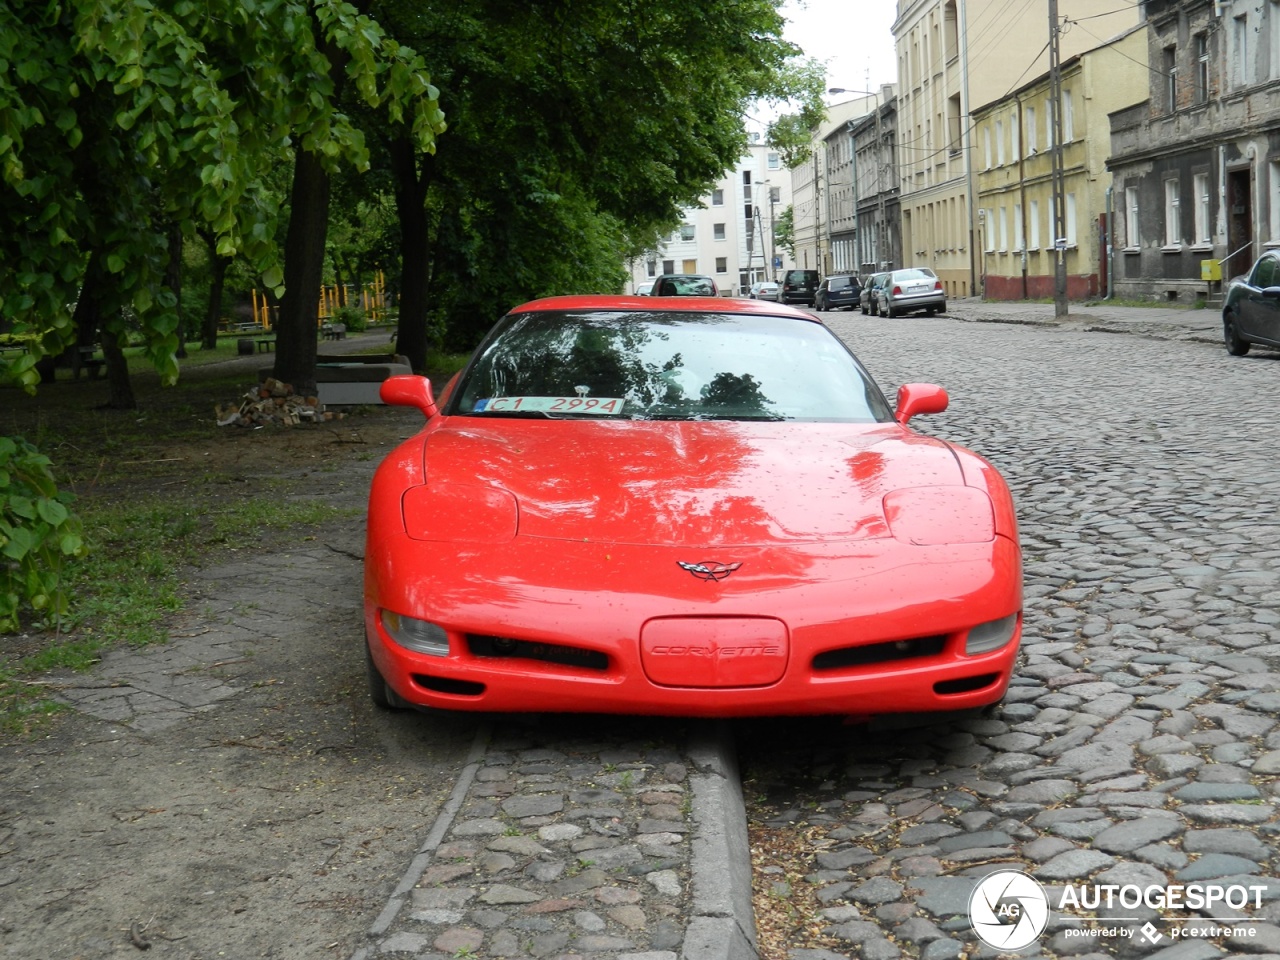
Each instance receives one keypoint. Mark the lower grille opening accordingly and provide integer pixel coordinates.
(462, 688)
(966, 684)
(508, 648)
(872, 653)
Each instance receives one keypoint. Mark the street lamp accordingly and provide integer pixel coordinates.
(879, 227)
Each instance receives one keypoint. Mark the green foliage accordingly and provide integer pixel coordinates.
(784, 231)
(792, 133)
(576, 132)
(353, 318)
(37, 533)
(120, 117)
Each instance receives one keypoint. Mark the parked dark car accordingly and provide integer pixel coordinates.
(684, 285)
(1251, 312)
(911, 289)
(799, 286)
(838, 293)
(870, 297)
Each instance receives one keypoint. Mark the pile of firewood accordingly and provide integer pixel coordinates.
(273, 403)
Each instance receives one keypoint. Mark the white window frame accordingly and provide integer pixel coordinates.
(1172, 214)
(1033, 218)
(718, 231)
(1240, 51)
(1049, 138)
(1068, 117)
(1070, 218)
(1132, 230)
(1200, 195)
(1004, 229)
(1000, 161)
(1030, 124)
(687, 232)
(1019, 243)
(1015, 135)
(986, 143)
(1273, 182)
(991, 230)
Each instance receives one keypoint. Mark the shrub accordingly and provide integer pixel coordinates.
(37, 532)
(352, 317)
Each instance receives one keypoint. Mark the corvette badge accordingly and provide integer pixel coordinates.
(709, 571)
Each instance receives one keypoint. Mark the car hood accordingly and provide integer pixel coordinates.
(677, 483)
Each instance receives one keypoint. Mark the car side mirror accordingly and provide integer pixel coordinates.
(915, 398)
(1271, 293)
(409, 390)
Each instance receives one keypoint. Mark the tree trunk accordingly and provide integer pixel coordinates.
(415, 250)
(117, 372)
(218, 266)
(303, 271)
(173, 280)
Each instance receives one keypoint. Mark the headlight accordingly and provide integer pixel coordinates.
(420, 636)
(991, 635)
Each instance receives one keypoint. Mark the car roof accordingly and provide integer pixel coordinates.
(668, 304)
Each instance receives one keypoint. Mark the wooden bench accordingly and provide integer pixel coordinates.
(333, 331)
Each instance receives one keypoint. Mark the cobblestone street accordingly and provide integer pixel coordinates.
(1138, 744)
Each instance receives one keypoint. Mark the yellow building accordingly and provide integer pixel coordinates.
(953, 54)
(1013, 160)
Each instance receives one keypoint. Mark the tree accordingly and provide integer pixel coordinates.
(123, 116)
(560, 113)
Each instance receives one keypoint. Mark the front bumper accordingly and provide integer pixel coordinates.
(879, 629)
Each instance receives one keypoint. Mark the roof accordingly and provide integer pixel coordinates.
(670, 304)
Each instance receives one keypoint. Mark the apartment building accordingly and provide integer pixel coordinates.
(730, 236)
(953, 54)
(1014, 146)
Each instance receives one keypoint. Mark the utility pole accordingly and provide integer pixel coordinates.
(1059, 193)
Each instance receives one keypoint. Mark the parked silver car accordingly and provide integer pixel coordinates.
(911, 289)
(869, 299)
(764, 290)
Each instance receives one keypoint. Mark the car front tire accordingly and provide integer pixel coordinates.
(380, 692)
(1237, 346)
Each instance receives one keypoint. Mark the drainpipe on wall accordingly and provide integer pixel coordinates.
(1111, 243)
(1022, 196)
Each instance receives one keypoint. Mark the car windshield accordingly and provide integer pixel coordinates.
(916, 273)
(649, 365)
(686, 287)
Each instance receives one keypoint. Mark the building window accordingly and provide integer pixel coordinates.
(1033, 218)
(1015, 134)
(1071, 220)
(1240, 50)
(774, 161)
(717, 198)
(991, 230)
(1004, 230)
(1068, 118)
(1170, 74)
(1017, 228)
(1050, 137)
(1031, 130)
(668, 266)
(651, 268)
(1131, 236)
(1172, 214)
(1201, 186)
(717, 231)
(1202, 67)
(986, 143)
(1000, 143)
(722, 264)
(1273, 168)
(686, 231)
(955, 126)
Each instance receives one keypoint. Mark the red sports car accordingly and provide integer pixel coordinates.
(683, 506)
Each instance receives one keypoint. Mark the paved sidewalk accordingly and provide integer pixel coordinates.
(1159, 322)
